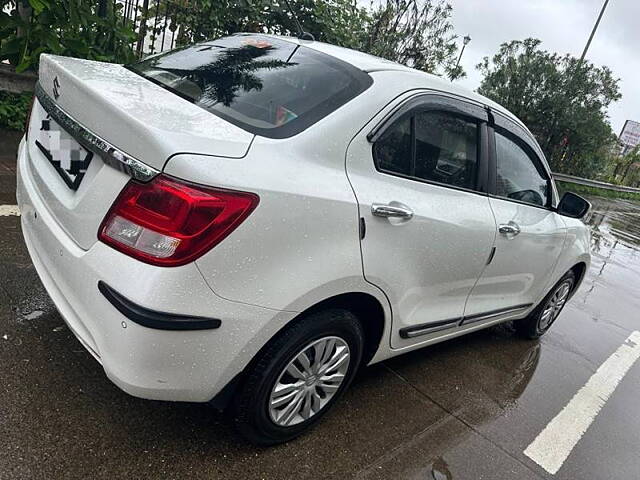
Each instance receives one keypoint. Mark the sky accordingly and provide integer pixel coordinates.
(564, 27)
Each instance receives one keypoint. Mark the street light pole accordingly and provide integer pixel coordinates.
(571, 82)
(465, 41)
(453, 74)
(593, 32)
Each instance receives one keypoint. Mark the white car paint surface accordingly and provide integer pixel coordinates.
(303, 244)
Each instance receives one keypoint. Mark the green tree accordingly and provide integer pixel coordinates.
(339, 22)
(562, 101)
(417, 33)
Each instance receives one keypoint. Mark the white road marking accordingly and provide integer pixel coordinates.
(9, 210)
(554, 444)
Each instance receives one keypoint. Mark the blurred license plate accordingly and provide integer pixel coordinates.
(68, 157)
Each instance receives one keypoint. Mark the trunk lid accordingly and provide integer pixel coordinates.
(131, 113)
(139, 117)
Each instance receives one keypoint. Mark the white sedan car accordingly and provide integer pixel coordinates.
(248, 220)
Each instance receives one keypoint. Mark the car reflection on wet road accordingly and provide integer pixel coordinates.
(463, 409)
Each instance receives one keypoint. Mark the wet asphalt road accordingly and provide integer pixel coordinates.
(465, 409)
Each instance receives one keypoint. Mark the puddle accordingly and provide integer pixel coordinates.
(614, 223)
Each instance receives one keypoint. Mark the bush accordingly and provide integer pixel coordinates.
(84, 29)
(13, 110)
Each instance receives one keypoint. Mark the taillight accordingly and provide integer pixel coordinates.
(169, 223)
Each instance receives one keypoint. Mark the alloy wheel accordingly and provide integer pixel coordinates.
(554, 305)
(309, 381)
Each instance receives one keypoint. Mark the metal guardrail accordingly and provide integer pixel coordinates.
(594, 183)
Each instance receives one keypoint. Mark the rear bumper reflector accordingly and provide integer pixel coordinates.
(154, 319)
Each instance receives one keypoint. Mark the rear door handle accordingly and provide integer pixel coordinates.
(391, 210)
(511, 228)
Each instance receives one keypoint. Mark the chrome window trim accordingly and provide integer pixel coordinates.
(111, 155)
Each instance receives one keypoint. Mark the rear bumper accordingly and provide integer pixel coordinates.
(179, 365)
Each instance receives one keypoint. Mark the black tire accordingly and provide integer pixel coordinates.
(534, 326)
(251, 405)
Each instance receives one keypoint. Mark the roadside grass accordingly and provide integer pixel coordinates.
(596, 192)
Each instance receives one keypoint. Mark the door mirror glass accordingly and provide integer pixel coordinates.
(573, 205)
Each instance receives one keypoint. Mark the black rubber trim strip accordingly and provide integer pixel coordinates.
(494, 313)
(153, 319)
(425, 328)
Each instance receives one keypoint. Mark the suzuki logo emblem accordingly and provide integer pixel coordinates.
(56, 88)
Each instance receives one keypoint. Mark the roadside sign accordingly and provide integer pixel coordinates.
(630, 136)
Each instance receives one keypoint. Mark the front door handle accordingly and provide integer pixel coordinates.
(511, 228)
(391, 210)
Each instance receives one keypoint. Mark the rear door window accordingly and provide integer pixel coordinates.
(267, 86)
(446, 149)
(432, 146)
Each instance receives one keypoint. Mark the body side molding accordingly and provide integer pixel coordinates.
(425, 328)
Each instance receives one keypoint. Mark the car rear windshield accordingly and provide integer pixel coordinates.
(267, 86)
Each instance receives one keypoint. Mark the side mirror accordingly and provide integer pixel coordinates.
(573, 206)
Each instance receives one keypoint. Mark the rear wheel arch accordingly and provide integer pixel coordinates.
(579, 269)
(533, 325)
(365, 307)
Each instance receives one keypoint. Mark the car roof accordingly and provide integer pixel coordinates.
(413, 77)
(360, 60)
